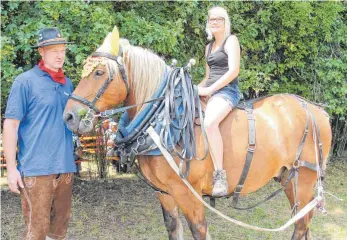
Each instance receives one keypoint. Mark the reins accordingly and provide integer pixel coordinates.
(180, 114)
(173, 117)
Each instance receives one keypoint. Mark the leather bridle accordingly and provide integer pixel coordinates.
(119, 60)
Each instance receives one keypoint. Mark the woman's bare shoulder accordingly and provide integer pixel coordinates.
(232, 44)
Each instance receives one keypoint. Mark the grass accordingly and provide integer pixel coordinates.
(124, 207)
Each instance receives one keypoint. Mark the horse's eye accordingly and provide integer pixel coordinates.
(99, 73)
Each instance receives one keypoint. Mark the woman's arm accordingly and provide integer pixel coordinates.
(207, 70)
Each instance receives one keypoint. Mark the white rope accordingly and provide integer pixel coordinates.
(336, 197)
(173, 165)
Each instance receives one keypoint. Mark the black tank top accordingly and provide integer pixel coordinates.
(218, 63)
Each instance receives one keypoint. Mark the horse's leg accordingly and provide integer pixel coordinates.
(170, 212)
(306, 181)
(193, 211)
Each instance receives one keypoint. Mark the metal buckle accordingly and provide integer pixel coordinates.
(238, 189)
(135, 151)
(88, 118)
(296, 164)
(303, 103)
(141, 141)
(251, 148)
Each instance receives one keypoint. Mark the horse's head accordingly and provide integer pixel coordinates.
(114, 73)
(104, 84)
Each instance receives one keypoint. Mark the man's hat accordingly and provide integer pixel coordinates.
(50, 36)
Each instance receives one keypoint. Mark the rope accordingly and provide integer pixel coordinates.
(336, 197)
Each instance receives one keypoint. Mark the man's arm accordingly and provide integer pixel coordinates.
(10, 138)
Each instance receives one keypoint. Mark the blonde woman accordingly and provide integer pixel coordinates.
(221, 84)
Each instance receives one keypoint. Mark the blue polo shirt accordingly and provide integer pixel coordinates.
(44, 142)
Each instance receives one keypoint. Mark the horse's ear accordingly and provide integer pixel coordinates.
(115, 41)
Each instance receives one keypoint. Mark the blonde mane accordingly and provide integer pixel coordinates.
(146, 69)
(146, 72)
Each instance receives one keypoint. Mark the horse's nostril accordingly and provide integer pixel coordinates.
(69, 117)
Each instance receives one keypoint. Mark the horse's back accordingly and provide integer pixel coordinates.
(280, 122)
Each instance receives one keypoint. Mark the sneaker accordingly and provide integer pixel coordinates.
(220, 184)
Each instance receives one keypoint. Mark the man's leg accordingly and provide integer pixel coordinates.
(61, 207)
(36, 197)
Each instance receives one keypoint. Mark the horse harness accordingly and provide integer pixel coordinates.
(293, 172)
(248, 107)
(172, 116)
(119, 61)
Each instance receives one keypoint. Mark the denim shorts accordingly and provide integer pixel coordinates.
(230, 93)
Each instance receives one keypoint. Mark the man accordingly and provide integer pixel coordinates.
(33, 118)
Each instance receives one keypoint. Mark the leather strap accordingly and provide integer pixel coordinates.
(272, 195)
(308, 165)
(114, 111)
(249, 156)
(180, 114)
(252, 146)
(83, 101)
(303, 139)
(118, 59)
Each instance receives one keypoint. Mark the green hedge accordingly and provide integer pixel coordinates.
(293, 47)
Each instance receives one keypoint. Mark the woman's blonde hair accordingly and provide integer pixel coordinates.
(220, 12)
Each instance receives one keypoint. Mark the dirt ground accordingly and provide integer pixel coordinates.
(124, 207)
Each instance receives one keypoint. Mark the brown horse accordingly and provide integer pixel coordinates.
(280, 123)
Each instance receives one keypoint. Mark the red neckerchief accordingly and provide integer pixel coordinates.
(56, 76)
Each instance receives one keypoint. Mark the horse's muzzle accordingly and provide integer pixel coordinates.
(72, 120)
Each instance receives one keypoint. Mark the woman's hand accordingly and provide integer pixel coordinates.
(204, 91)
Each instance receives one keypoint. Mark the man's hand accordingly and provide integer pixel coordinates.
(14, 180)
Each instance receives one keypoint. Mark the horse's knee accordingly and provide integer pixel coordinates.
(301, 231)
(173, 225)
(199, 230)
(302, 235)
(170, 221)
(171, 218)
(308, 234)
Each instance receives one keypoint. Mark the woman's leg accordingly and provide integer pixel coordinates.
(217, 109)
